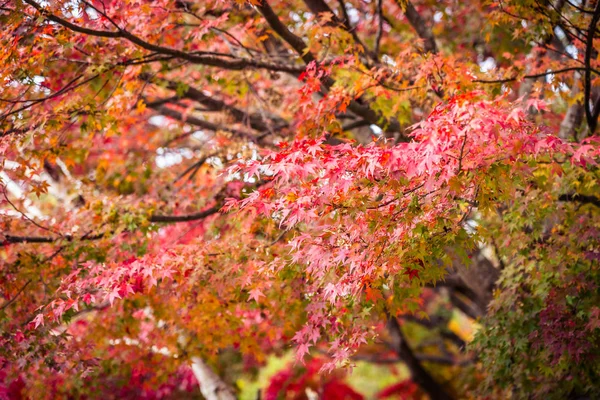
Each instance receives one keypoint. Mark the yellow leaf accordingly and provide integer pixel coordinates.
(140, 107)
(291, 197)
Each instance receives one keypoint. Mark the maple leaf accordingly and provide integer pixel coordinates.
(126, 125)
(39, 188)
(302, 350)
(373, 294)
(412, 273)
(88, 298)
(113, 294)
(255, 294)
(38, 320)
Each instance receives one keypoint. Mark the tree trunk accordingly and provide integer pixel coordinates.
(211, 385)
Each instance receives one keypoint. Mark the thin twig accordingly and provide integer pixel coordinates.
(8, 303)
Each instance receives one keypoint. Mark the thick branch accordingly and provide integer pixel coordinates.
(436, 322)
(300, 47)
(419, 375)
(591, 114)
(444, 360)
(532, 76)
(471, 310)
(195, 57)
(419, 25)
(379, 28)
(185, 217)
(169, 112)
(275, 23)
(211, 385)
(580, 198)
(10, 239)
(157, 218)
(319, 6)
(255, 120)
(574, 115)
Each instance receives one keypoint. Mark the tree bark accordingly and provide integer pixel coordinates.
(211, 385)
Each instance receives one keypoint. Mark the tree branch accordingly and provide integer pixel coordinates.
(10, 239)
(190, 119)
(201, 58)
(356, 124)
(9, 302)
(419, 375)
(211, 385)
(580, 198)
(591, 115)
(320, 6)
(256, 121)
(419, 25)
(275, 23)
(156, 218)
(444, 360)
(574, 115)
(471, 310)
(436, 322)
(300, 47)
(533, 76)
(185, 217)
(379, 28)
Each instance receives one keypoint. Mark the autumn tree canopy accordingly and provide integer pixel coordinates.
(191, 188)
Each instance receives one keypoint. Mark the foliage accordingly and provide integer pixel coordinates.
(191, 188)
